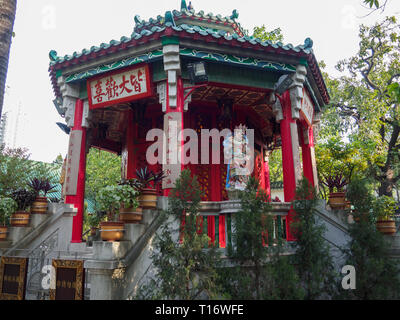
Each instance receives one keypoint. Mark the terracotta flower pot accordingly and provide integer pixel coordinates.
(3, 233)
(39, 206)
(386, 226)
(148, 198)
(112, 231)
(337, 200)
(130, 215)
(20, 219)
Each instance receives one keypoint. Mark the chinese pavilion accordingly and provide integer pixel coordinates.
(113, 94)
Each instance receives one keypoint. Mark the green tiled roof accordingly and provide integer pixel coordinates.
(184, 28)
(179, 26)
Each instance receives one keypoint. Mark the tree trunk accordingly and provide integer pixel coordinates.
(386, 188)
(7, 17)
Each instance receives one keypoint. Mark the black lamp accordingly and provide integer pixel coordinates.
(283, 84)
(197, 72)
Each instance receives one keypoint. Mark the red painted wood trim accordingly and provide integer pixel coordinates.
(78, 199)
(149, 92)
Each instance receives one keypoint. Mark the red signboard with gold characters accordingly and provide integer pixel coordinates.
(13, 278)
(119, 86)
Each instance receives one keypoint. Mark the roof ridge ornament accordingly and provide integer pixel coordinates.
(138, 20)
(308, 43)
(235, 14)
(183, 5)
(53, 55)
(169, 17)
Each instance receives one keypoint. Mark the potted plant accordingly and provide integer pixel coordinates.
(384, 209)
(7, 207)
(130, 212)
(41, 187)
(337, 195)
(147, 181)
(94, 220)
(109, 200)
(24, 200)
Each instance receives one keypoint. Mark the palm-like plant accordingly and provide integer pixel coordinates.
(40, 185)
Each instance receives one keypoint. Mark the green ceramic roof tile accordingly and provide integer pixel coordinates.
(158, 26)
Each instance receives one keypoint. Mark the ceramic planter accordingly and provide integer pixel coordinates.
(20, 219)
(3, 233)
(386, 226)
(112, 231)
(130, 215)
(148, 198)
(337, 200)
(39, 206)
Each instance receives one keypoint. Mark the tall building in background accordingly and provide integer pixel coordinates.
(3, 127)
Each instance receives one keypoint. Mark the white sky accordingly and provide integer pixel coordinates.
(68, 26)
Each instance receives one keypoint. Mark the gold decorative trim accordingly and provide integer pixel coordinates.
(23, 264)
(79, 282)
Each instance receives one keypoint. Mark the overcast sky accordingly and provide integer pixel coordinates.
(68, 26)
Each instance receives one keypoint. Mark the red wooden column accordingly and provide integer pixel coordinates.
(131, 153)
(290, 157)
(308, 154)
(75, 190)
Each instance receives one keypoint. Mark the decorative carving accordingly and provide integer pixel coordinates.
(172, 66)
(39, 258)
(296, 90)
(70, 94)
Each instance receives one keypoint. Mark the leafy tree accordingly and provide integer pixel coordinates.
(376, 273)
(338, 158)
(259, 270)
(367, 101)
(275, 166)
(102, 169)
(15, 169)
(312, 257)
(184, 268)
(264, 35)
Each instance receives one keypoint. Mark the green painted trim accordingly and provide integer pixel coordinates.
(303, 61)
(234, 75)
(83, 91)
(58, 73)
(157, 54)
(244, 61)
(169, 40)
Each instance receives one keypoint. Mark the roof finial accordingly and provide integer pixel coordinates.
(190, 6)
(234, 15)
(308, 43)
(183, 5)
(53, 55)
(138, 20)
(169, 17)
